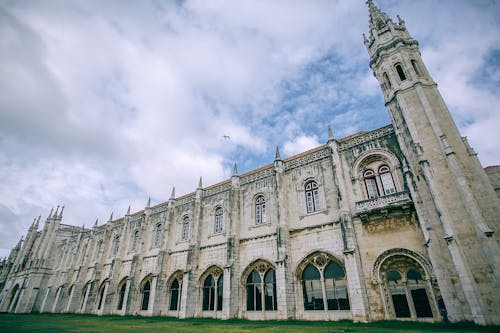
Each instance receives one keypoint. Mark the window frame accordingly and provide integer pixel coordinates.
(260, 210)
(218, 220)
(311, 192)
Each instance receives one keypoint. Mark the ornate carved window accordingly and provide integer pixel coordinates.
(370, 184)
(312, 196)
(213, 286)
(261, 288)
(260, 210)
(185, 229)
(408, 294)
(401, 73)
(324, 284)
(146, 292)
(158, 234)
(386, 180)
(219, 220)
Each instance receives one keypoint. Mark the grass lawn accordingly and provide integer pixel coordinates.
(59, 323)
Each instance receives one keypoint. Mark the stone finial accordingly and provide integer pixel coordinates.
(50, 214)
(277, 156)
(38, 221)
(330, 134)
(401, 22)
(200, 186)
(95, 224)
(128, 210)
(149, 202)
(55, 214)
(235, 170)
(172, 195)
(61, 213)
(111, 217)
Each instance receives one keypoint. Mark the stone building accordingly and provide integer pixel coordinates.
(396, 223)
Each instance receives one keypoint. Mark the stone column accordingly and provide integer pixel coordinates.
(42, 308)
(226, 294)
(152, 296)
(184, 297)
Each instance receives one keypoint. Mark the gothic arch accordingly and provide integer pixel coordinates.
(215, 270)
(178, 274)
(320, 257)
(261, 265)
(373, 155)
(395, 252)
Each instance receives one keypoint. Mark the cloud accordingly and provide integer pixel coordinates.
(107, 103)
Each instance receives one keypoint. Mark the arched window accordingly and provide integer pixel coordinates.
(121, 295)
(219, 221)
(260, 210)
(212, 293)
(311, 287)
(185, 229)
(387, 82)
(418, 294)
(324, 284)
(400, 71)
(146, 291)
(116, 245)
(158, 235)
(254, 292)
(336, 287)
(370, 183)
(416, 67)
(135, 241)
(312, 196)
(175, 293)
(386, 179)
(13, 298)
(261, 288)
(101, 296)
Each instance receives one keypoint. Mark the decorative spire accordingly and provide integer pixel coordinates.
(277, 156)
(95, 224)
(38, 221)
(149, 202)
(33, 223)
(172, 195)
(111, 217)
(128, 210)
(50, 214)
(330, 134)
(200, 186)
(55, 214)
(61, 213)
(378, 18)
(235, 170)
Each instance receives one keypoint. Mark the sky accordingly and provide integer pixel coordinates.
(104, 104)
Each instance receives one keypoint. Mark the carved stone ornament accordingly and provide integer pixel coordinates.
(402, 257)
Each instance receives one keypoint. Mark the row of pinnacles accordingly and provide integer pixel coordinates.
(396, 223)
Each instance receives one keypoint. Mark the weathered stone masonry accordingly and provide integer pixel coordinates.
(396, 223)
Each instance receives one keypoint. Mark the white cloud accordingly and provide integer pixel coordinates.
(107, 103)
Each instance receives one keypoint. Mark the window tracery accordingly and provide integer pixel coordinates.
(260, 210)
(260, 285)
(312, 196)
(219, 220)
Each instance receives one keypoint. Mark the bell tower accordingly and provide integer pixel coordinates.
(457, 207)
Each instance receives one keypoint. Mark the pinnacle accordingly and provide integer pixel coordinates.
(172, 195)
(277, 156)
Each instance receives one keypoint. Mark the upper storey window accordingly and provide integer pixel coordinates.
(260, 210)
(416, 68)
(312, 196)
(371, 184)
(135, 241)
(219, 220)
(185, 229)
(116, 245)
(400, 71)
(386, 180)
(158, 235)
(387, 82)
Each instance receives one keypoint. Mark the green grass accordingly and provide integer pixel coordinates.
(60, 323)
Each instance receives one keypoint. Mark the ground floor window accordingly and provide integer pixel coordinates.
(324, 284)
(121, 296)
(213, 287)
(146, 291)
(261, 288)
(174, 295)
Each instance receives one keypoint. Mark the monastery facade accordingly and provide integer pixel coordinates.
(396, 223)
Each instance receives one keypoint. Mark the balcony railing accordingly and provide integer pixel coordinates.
(386, 201)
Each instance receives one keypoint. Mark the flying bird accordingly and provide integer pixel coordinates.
(227, 137)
